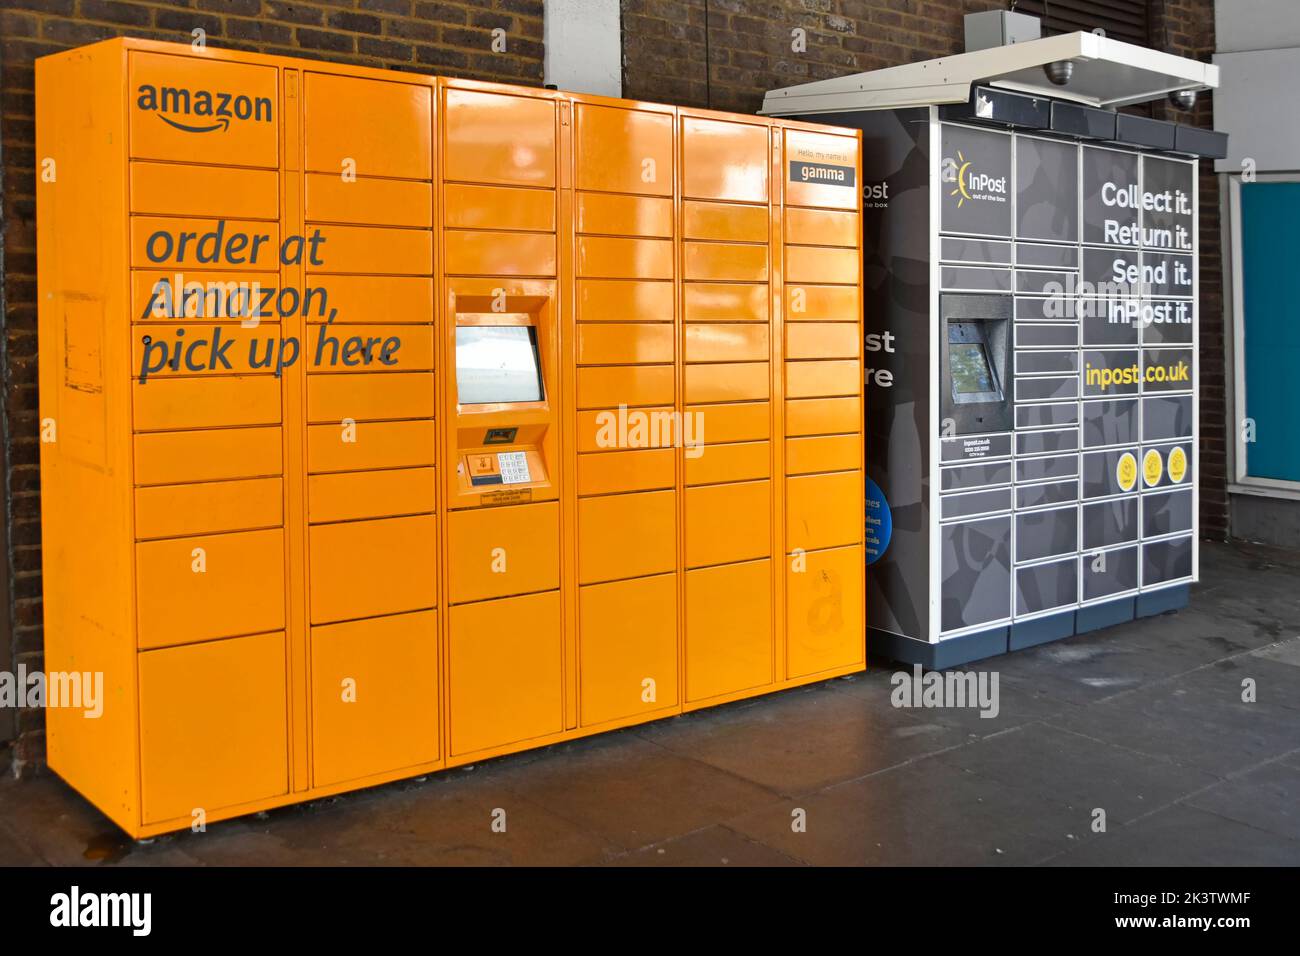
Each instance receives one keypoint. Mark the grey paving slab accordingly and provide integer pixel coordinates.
(712, 846)
(632, 793)
(802, 742)
(1284, 652)
(1266, 798)
(1020, 700)
(1081, 772)
(1196, 719)
(927, 813)
(1184, 836)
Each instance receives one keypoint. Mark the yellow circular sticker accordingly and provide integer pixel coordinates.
(1177, 465)
(1126, 471)
(1153, 468)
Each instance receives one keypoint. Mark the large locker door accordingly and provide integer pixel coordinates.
(212, 728)
(374, 695)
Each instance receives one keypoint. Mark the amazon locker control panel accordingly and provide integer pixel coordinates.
(503, 405)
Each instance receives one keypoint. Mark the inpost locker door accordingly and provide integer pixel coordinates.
(730, 635)
(370, 448)
(625, 348)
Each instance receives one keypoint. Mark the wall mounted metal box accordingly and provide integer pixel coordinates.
(995, 28)
(571, 439)
(1031, 299)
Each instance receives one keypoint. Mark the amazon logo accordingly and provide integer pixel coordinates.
(969, 184)
(201, 111)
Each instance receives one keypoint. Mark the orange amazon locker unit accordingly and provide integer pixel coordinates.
(391, 422)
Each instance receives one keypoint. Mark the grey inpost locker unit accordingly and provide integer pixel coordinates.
(1030, 285)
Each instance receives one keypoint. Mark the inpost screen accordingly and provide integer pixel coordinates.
(970, 368)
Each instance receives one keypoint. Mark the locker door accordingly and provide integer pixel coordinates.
(212, 725)
(729, 639)
(504, 672)
(382, 128)
(628, 640)
(374, 696)
(824, 613)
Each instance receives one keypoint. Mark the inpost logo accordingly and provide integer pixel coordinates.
(1179, 372)
(201, 111)
(969, 183)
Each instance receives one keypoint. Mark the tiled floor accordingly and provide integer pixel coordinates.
(1144, 722)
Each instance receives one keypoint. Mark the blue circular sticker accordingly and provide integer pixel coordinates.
(879, 523)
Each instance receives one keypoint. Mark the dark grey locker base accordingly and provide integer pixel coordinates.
(881, 645)
(954, 651)
(1041, 630)
(1164, 600)
(1097, 616)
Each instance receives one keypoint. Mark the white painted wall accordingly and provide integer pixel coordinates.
(1255, 105)
(1259, 73)
(1241, 25)
(584, 46)
(1258, 55)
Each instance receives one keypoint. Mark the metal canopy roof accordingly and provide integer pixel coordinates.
(1107, 73)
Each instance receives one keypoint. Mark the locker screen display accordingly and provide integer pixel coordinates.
(970, 369)
(497, 364)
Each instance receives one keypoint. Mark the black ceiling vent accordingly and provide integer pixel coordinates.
(1127, 20)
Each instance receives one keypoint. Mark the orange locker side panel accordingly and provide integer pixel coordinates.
(86, 494)
(430, 419)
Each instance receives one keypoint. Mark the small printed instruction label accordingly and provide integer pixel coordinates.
(512, 497)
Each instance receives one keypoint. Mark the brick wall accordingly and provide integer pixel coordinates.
(449, 38)
(1186, 27)
(748, 49)
(749, 44)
